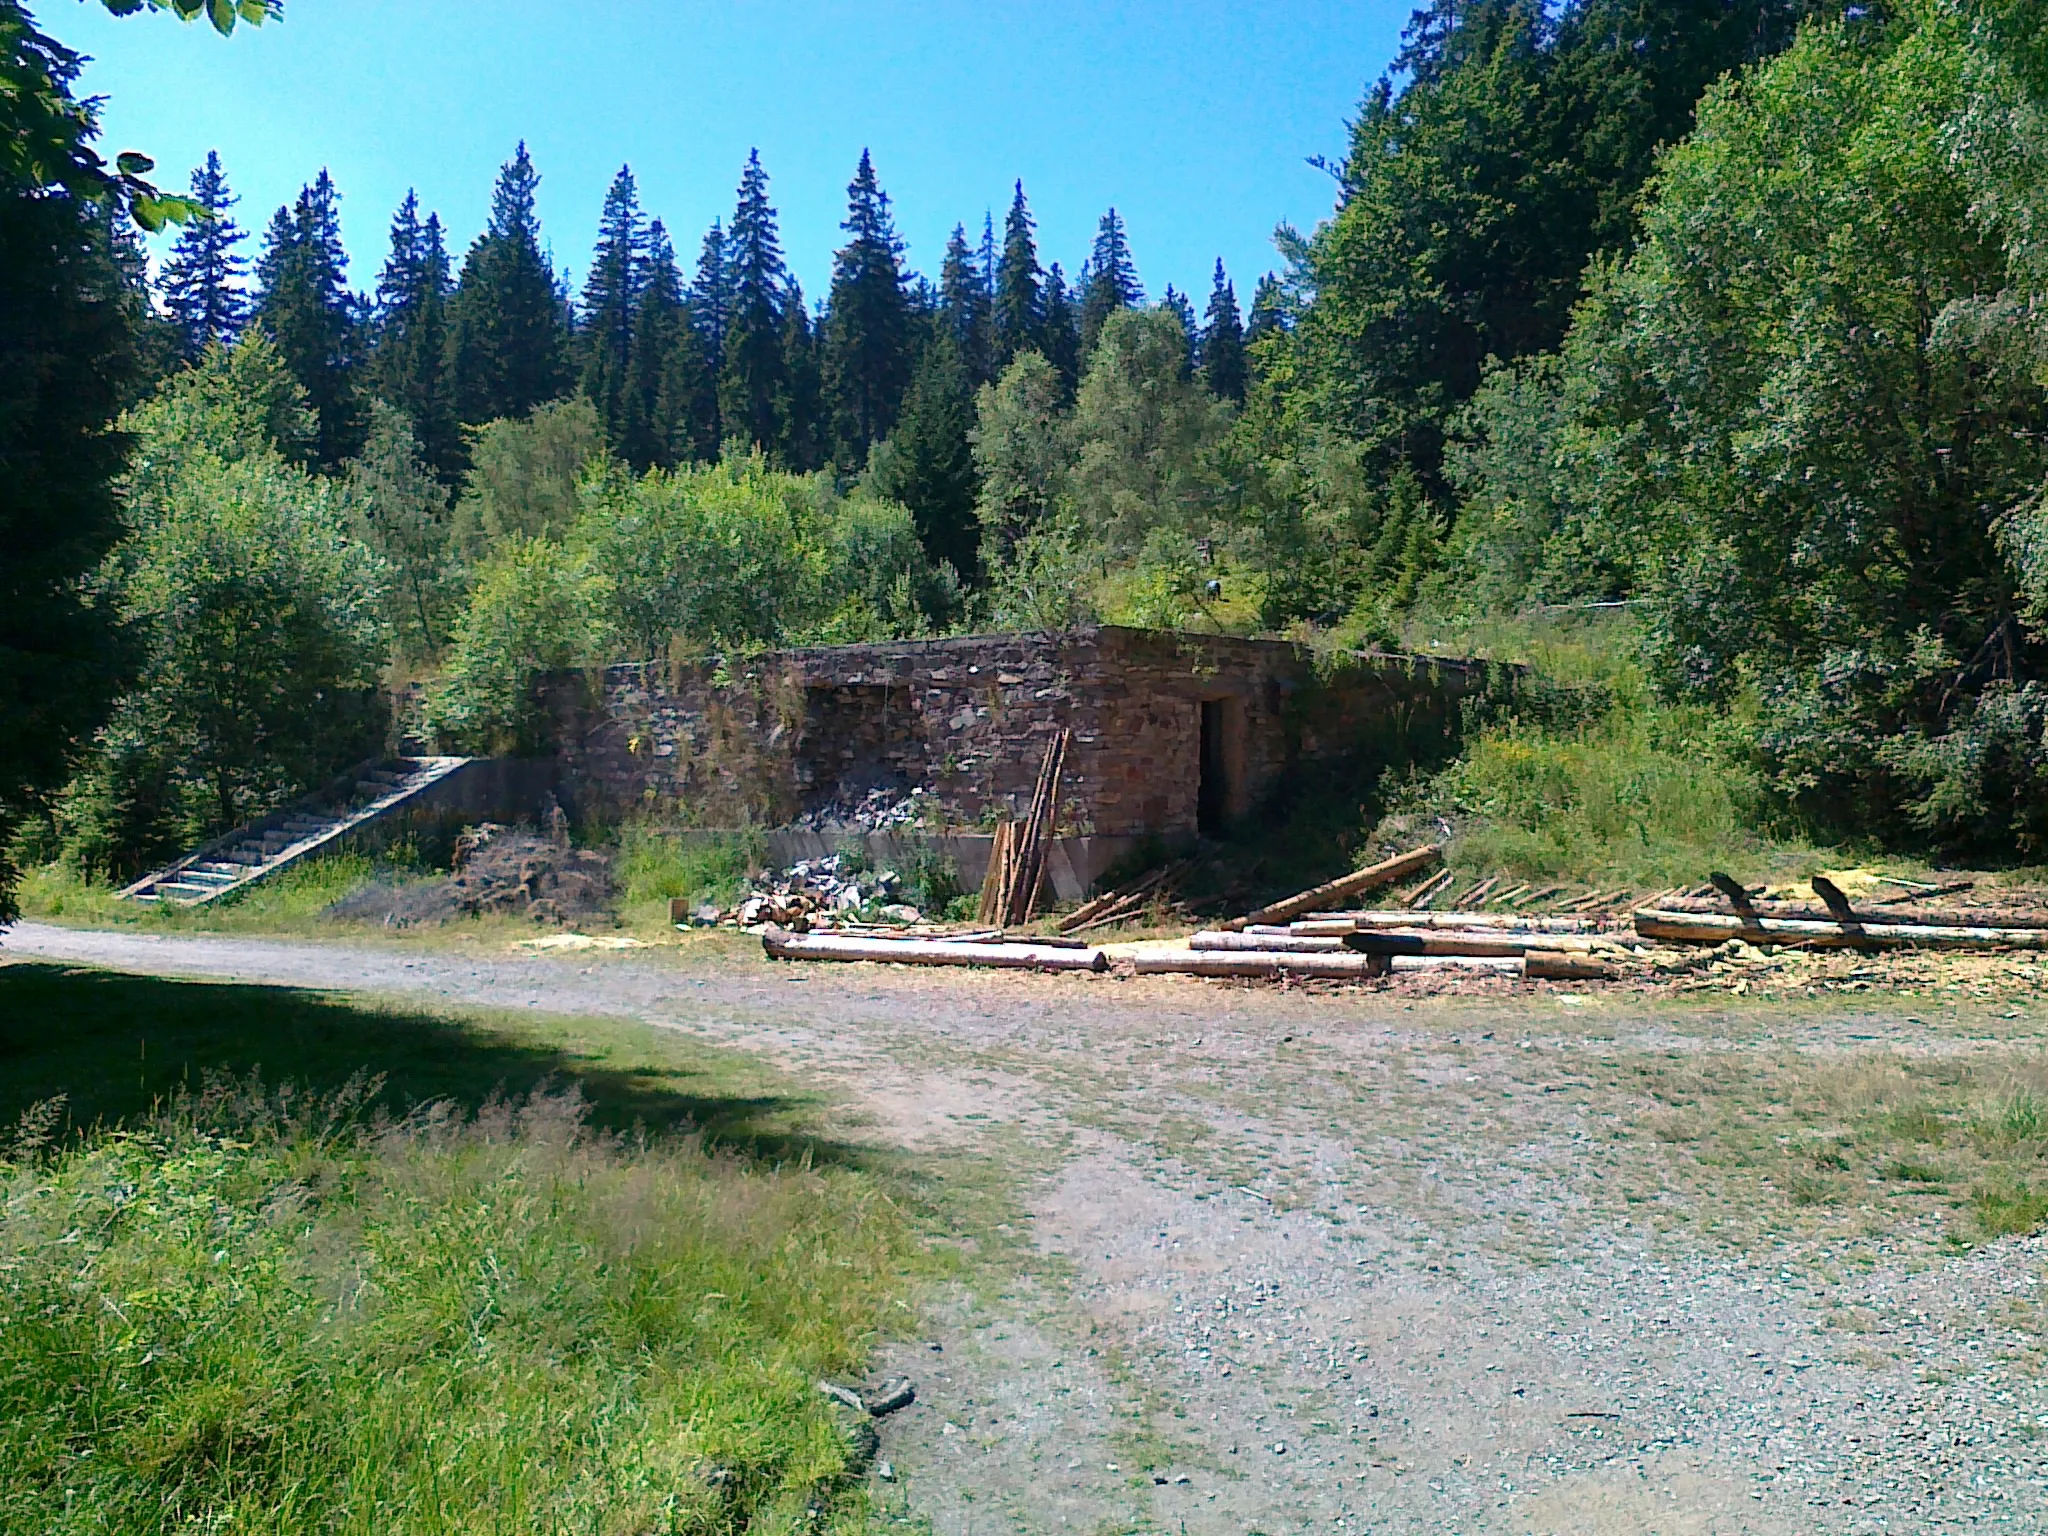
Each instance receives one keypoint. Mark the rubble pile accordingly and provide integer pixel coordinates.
(881, 809)
(815, 894)
(512, 872)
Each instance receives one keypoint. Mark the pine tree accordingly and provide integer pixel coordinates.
(508, 332)
(867, 328)
(611, 298)
(800, 413)
(202, 275)
(686, 404)
(711, 294)
(1223, 364)
(1269, 310)
(1059, 338)
(964, 306)
(752, 382)
(1112, 282)
(1020, 301)
(666, 381)
(408, 365)
(306, 309)
(927, 463)
(1182, 308)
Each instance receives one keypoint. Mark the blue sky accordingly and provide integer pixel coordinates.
(1195, 120)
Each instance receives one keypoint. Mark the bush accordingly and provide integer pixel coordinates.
(736, 556)
(267, 1314)
(529, 612)
(655, 865)
(257, 616)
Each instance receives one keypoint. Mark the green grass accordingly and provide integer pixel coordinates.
(542, 1275)
(656, 864)
(291, 901)
(1588, 776)
(1967, 1132)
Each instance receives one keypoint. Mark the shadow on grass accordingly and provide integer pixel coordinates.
(116, 1045)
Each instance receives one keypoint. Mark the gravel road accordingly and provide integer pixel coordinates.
(1351, 1261)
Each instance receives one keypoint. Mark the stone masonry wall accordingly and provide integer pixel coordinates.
(969, 721)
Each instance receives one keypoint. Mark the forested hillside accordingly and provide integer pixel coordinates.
(1718, 319)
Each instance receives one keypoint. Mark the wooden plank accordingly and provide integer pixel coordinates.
(1429, 890)
(1386, 872)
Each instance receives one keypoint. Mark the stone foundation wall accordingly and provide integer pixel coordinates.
(766, 740)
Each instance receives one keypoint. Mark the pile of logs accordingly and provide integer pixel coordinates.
(1301, 937)
(1346, 944)
(1836, 924)
(1016, 861)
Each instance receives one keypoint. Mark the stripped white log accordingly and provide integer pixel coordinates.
(1537, 965)
(1348, 922)
(1710, 928)
(1013, 956)
(1268, 942)
(1436, 941)
(1212, 962)
(1505, 965)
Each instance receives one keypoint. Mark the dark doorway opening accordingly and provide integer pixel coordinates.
(1212, 797)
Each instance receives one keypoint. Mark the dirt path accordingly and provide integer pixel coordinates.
(1354, 1262)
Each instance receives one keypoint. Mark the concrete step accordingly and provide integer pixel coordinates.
(257, 852)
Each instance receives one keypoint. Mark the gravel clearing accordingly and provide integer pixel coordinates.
(1359, 1262)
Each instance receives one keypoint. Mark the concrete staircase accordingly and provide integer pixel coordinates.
(368, 794)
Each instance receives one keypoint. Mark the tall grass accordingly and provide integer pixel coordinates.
(265, 1314)
(656, 864)
(1584, 773)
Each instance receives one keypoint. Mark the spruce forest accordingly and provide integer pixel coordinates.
(1690, 352)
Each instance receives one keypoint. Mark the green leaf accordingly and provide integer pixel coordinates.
(153, 210)
(134, 163)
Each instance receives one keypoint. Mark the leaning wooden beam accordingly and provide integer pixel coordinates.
(1712, 928)
(1429, 890)
(1108, 899)
(1020, 957)
(1386, 872)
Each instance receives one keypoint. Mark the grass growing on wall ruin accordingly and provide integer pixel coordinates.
(1583, 774)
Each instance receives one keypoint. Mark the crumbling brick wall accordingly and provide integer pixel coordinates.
(758, 742)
